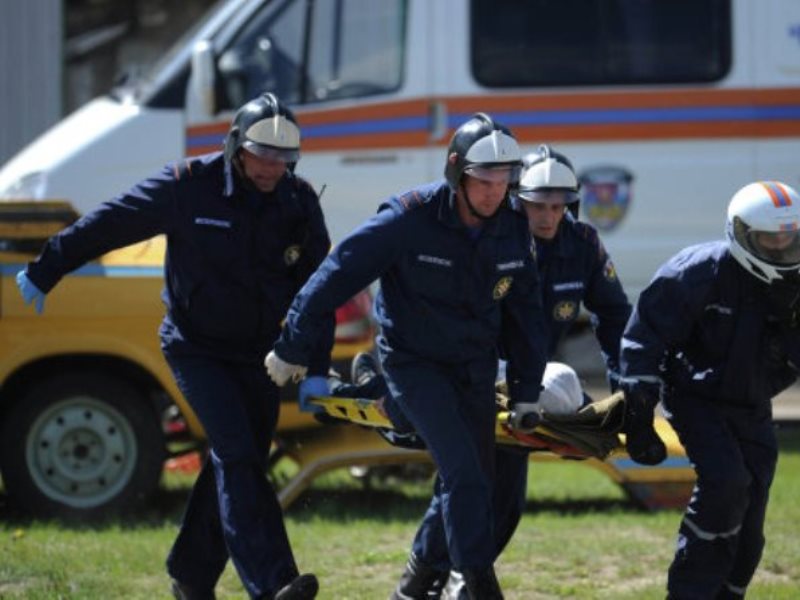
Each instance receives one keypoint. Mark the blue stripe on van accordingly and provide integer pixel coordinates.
(215, 139)
(95, 270)
(564, 117)
(366, 127)
(639, 115)
(515, 118)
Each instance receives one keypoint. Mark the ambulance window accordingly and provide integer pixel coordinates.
(356, 48)
(599, 42)
(338, 49)
(266, 56)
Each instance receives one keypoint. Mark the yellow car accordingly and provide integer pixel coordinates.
(89, 410)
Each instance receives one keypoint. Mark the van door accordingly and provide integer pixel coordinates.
(354, 71)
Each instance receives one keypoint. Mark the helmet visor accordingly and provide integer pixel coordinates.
(548, 196)
(780, 248)
(288, 155)
(508, 173)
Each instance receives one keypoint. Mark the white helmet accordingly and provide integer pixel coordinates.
(763, 230)
(562, 393)
(548, 176)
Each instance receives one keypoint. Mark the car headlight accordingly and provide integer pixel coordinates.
(30, 186)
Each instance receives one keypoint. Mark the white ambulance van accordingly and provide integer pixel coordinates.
(666, 108)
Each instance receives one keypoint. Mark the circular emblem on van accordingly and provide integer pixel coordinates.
(565, 310)
(291, 255)
(502, 287)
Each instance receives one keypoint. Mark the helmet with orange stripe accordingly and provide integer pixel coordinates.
(763, 230)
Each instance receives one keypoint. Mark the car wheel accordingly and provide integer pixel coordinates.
(81, 445)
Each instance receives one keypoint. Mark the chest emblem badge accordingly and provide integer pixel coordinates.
(566, 310)
(502, 287)
(291, 255)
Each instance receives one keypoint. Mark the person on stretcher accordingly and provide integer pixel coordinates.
(581, 426)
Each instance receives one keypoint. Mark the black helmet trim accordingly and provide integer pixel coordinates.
(480, 142)
(266, 128)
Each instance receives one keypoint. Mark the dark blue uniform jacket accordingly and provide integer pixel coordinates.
(706, 326)
(575, 268)
(444, 297)
(234, 260)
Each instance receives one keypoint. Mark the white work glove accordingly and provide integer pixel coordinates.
(524, 417)
(280, 371)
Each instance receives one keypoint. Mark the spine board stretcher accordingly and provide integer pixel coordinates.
(322, 449)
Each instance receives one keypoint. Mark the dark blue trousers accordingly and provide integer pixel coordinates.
(233, 511)
(453, 409)
(721, 537)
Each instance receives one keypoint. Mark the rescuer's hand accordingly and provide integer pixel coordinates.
(642, 442)
(312, 387)
(30, 293)
(524, 417)
(281, 371)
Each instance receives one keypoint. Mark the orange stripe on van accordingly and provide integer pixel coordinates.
(544, 117)
(630, 99)
(381, 110)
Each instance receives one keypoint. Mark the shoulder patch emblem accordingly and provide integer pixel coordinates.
(291, 255)
(566, 310)
(502, 287)
(610, 271)
(410, 200)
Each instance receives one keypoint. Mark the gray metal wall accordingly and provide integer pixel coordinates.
(31, 34)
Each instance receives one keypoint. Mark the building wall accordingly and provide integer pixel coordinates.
(56, 55)
(30, 70)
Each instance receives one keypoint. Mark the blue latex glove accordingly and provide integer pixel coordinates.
(30, 293)
(312, 386)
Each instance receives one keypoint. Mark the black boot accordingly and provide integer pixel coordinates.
(482, 584)
(416, 580)
(302, 587)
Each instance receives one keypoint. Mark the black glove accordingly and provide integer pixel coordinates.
(524, 417)
(643, 444)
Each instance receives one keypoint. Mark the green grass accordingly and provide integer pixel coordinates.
(580, 538)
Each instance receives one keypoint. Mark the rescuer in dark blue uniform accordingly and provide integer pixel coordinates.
(716, 336)
(574, 269)
(243, 235)
(457, 277)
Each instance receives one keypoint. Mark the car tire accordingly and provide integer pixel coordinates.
(81, 445)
